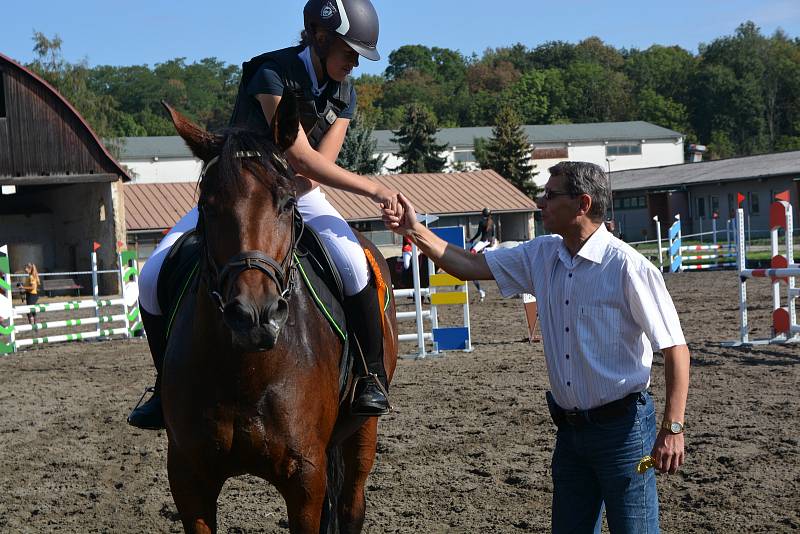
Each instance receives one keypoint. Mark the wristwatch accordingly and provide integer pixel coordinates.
(674, 427)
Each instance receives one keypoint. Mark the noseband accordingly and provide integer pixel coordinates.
(282, 274)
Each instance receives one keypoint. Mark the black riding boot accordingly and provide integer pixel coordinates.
(364, 322)
(149, 416)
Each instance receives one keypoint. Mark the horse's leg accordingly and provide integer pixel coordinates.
(195, 494)
(303, 489)
(358, 453)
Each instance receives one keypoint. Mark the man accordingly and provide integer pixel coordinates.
(602, 307)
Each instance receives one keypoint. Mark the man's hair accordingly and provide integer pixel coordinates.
(589, 179)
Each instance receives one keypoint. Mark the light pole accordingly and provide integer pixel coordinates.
(609, 159)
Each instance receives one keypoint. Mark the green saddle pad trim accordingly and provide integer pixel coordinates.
(180, 297)
(336, 327)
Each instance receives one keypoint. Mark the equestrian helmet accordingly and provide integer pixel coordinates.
(486, 212)
(354, 21)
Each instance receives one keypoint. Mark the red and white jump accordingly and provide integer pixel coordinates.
(782, 269)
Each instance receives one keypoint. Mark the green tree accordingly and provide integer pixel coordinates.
(73, 82)
(417, 140)
(596, 94)
(358, 152)
(508, 152)
(528, 97)
(663, 111)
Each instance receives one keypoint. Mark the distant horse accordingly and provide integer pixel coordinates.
(403, 278)
(251, 373)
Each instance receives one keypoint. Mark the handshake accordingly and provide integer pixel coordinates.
(400, 221)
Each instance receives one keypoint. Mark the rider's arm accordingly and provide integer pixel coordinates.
(332, 141)
(316, 166)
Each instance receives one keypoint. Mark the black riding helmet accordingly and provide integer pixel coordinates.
(486, 212)
(354, 21)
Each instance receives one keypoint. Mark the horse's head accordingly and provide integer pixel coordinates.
(247, 212)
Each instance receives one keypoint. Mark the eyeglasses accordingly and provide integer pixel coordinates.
(550, 194)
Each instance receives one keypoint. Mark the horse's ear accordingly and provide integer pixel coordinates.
(286, 122)
(203, 144)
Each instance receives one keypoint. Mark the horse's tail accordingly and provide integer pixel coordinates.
(330, 509)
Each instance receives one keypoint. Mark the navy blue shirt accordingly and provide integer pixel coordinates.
(268, 81)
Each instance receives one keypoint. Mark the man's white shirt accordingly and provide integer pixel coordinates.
(601, 313)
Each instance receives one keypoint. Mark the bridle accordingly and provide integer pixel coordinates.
(282, 274)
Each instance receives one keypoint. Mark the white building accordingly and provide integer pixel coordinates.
(152, 160)
(612, 145)
(615, 146)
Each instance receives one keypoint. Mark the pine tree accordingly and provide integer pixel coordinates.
(416, 138)
(358, 151)
(508, 152)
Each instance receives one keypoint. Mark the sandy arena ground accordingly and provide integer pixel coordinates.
(475, 461)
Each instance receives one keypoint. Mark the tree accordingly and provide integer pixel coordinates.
(508, 152)
(596, 94)
(416, 137)
(359, 148)
(72, 81)
(663, 111)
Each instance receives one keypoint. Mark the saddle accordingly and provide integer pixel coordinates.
(179, 277)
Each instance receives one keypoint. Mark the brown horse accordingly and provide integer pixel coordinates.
(251, 374)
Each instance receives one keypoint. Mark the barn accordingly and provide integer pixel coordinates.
(61, 188)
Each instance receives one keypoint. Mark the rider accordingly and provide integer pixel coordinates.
(317, 72)
(486, 233)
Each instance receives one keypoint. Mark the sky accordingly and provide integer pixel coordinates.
(147, 32)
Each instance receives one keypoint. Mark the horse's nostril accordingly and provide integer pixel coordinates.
(276, 313)
(239, 315)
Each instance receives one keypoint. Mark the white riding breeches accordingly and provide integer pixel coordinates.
(317, 212)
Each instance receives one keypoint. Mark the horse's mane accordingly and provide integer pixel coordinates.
(226, 181)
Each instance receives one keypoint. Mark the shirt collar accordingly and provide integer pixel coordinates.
(305, 56)
(595, 246)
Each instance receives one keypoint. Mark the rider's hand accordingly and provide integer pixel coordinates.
(387, 199)
(401, 222)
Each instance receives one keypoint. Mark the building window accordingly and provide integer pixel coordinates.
(755, 209)
(714, 206)
(2, 96)
(466, 156)
(624, 150)
(732, 207)
(701, 208)
(630, 203)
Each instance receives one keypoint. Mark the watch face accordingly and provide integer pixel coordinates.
(675, 428)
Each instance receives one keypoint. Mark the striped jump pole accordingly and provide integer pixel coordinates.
(782, 269)
(103, 319)
(675, 260)
(419, 315)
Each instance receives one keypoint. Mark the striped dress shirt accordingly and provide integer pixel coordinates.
(601, 313)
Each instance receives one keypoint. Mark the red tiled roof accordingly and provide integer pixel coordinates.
(159, 206)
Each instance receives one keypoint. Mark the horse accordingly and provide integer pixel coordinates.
(250, 379)
(404, 278)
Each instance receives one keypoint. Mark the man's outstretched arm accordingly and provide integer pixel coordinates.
(454, 260)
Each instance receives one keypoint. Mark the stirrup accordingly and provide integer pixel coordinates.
(148, 389)
(374, 378)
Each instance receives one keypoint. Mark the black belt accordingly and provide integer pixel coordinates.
(601, 414)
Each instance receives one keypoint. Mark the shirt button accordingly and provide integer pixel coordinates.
(570, 275)
(567, 329)
(568, 356)
(568, 383)
(567, 303)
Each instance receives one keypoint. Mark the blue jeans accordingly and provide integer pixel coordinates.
(594, 465)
